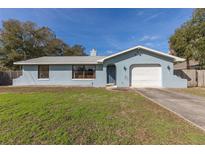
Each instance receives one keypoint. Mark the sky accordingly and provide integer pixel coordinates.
(107, 30)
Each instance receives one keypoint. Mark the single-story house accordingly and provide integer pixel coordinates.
(135, 67)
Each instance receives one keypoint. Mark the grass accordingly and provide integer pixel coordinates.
(40, 115)
(194, 91)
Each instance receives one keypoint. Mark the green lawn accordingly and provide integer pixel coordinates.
(194, 91)
(38, 115)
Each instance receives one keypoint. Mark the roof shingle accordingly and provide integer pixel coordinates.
(61, 60)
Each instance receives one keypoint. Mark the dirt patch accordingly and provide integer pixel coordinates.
(121, 89)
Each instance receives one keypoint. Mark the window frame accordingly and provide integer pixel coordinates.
(39, 76)
(84, 72)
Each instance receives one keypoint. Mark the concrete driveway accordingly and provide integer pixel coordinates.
(189, 107)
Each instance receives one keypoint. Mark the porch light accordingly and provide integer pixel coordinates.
(168, 67)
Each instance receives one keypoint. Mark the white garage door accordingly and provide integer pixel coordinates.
(146, 76)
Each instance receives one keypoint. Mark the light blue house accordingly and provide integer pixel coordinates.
(135, 67)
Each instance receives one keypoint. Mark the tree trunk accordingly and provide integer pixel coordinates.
(187, 64)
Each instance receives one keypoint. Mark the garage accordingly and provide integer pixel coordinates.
(147, 75)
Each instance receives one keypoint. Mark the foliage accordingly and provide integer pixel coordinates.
(198, 22)
(76, 50)
(25, 40)
(188, 41)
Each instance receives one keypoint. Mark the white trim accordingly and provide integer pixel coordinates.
(43, 79)
(84, 79)
(145, 48)
(55, 63)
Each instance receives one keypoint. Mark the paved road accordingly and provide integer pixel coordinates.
(190, 107)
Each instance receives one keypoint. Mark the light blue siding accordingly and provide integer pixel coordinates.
(125, 61)
(62, 74)
(59, 75)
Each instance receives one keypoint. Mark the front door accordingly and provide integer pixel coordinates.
(111, 74)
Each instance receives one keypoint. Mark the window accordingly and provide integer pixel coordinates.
(43, 71)
(78, 71)
(84, 71)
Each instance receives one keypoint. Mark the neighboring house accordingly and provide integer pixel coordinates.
(135, 67)
(183, 66)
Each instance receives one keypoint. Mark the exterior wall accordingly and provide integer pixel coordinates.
(59, 75)
(124, 63)
(195, 78)
(62, 74)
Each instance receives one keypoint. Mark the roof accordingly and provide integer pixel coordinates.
(61, 60)
(88, 59)
(176, 59)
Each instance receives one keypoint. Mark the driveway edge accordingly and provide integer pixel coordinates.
(192, 123)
